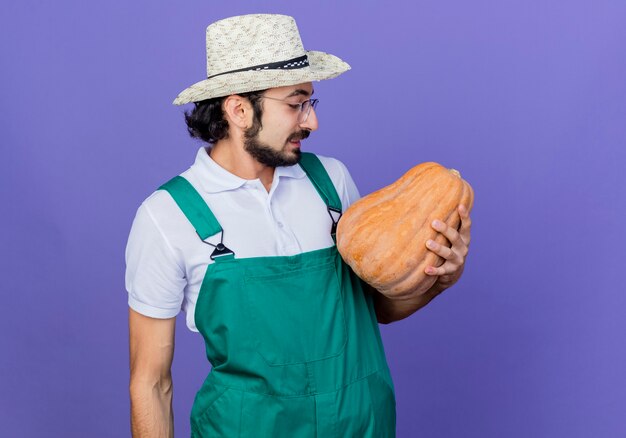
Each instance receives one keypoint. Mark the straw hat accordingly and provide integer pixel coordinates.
(256, 52)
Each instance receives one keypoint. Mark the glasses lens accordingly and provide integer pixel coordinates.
(306, 109)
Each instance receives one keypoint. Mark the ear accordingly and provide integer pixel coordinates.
(237, 111)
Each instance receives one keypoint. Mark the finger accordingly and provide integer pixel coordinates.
(444, 269)
(466, 221)
(463, 211)
(466, 224)
(433, 271)
(450, 233)
(441, 250)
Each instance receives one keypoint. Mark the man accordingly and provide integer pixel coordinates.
(243, 241)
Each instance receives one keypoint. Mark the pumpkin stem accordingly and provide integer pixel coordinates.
(456, 172)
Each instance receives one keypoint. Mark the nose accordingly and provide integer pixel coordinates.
(311, 122)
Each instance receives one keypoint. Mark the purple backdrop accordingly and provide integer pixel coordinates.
(526, 98)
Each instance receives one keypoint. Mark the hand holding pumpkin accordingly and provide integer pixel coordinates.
(455, 255)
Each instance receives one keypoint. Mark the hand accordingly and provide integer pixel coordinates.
(454, 256)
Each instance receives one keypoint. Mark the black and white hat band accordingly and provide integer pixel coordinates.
(290, 64)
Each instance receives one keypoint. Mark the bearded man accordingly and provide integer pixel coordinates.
(243, 242)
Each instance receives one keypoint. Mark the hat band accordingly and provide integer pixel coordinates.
(290, 64)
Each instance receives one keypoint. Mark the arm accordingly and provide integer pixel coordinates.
(151, 353)
(389, 309)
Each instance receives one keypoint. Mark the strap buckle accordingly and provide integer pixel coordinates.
(220, 249)
(333, 228)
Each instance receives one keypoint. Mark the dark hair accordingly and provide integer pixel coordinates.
(206, 121)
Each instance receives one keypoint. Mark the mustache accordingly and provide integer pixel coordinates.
(297, 136)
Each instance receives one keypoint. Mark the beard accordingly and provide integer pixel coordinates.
(269, 156)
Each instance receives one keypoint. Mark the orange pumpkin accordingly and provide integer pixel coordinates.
(383, 235)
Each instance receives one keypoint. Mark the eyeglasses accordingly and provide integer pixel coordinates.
(304, 108)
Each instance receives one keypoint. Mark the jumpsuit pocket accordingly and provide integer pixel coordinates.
(216, 412)
(296, 316)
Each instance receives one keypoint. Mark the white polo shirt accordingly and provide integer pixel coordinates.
(166, 260)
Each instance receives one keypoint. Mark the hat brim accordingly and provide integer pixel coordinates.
(321, 66)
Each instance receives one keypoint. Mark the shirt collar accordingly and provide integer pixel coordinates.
(213, 178)
(289, 172)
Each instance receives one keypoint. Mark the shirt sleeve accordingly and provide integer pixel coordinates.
(350, 192)
(155, 280)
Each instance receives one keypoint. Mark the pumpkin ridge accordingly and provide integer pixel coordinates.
(399, 266)
(381, 196)
(425, 232)
(417, 269)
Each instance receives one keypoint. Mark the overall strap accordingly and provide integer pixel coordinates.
(197, 212)
(321, 181)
